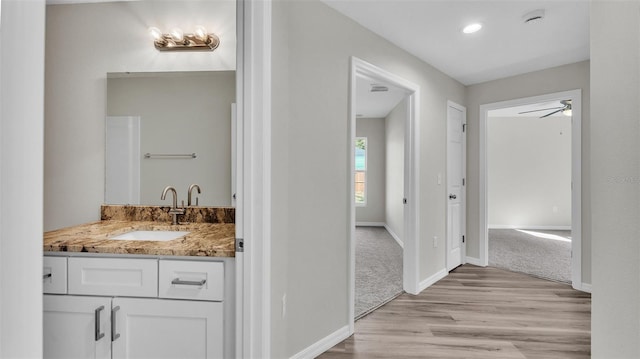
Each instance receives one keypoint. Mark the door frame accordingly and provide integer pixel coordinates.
(576, 176)
(411, 260)
(253, 179)
(463, 200)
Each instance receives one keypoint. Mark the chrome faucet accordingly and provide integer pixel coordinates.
(174, 211)
(189, 195)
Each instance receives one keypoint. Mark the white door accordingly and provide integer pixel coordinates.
(456, 138)
(157, 328)
(76, 327)
(122, 156)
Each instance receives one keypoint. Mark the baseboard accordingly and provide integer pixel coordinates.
(585, 287)
(323, 344)
(432, 280)
(370, 224)
(395, 236)
(473, 260)
(539, 228)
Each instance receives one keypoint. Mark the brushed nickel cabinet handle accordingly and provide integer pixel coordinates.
(199, 283)
(98, 335)
(114, 335)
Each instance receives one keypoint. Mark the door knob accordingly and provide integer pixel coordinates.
(452, 196)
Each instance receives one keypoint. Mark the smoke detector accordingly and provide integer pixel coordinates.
(533, 17)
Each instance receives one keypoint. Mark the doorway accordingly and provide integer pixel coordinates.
(529, 189)
(407, 195)
(381, 114)
(574, 98)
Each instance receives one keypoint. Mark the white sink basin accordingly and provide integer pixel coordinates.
(150, 235)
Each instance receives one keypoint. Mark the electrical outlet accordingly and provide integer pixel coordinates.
(284, 305)
(435, 241)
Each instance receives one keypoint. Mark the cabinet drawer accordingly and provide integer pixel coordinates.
(113, 277)
(54, 275)
(191, 280)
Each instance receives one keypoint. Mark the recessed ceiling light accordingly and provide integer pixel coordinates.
(470, 29)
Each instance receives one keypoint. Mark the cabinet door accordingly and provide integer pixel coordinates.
(76, 327)
(157, 328)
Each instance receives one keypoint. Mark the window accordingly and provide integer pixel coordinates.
(361, 171)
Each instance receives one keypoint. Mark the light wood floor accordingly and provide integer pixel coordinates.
(477, 312)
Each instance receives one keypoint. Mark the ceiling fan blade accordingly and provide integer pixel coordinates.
(549, 114)
(543, 109)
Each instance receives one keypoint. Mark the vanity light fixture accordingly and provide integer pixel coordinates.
(176, 40)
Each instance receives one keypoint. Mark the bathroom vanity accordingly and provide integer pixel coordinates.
(141, 298)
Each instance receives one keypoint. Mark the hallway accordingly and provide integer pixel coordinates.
(477, 312)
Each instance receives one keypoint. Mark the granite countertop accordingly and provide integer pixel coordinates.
(206, 239)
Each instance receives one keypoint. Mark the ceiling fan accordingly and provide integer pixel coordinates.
(565, 109)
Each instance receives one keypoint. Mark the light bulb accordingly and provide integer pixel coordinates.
(177, 35)
(201, 33)
(155, 33)
(470, 29)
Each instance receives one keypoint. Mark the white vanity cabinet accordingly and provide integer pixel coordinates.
(76, 327)
(167, 329)
(112, 309)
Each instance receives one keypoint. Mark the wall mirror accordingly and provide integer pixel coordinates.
(169, 128)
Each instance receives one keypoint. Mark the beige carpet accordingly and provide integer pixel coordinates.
(544, 254)
(378, 269)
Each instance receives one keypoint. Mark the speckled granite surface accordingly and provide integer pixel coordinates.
(161, 213)
(208, 239)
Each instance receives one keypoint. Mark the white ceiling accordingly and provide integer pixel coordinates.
(375, 104)
(505, 46)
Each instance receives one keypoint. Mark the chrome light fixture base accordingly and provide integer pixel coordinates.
(189, 42)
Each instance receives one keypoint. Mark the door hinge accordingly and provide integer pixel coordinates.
(404, 201)
(239, 245)
(464, 127)
(462, 239)
(463, 181)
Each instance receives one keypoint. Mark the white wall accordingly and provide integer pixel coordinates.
(21, 156)
(615, 178)
(562, 78)
(180, 113)
(529, 172)
(310, 201)
(84, 42)
(394, 133)
(374, 130)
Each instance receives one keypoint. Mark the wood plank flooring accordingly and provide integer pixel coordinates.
(477, 312)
